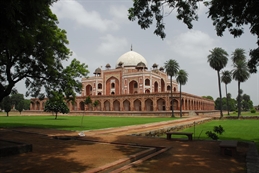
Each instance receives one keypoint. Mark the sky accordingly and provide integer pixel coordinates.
(99, 32)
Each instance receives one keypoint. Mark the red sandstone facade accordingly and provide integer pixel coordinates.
(131, 87)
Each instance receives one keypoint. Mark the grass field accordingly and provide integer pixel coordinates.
(75, 122)
(243, 114)
(241, 130)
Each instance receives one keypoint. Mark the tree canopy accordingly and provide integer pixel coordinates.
(32, 47)
(56, 103)
(6, 105)
(229, 15)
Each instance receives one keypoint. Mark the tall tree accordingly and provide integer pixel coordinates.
(218, 60)
(171, 68)
(32, 47)
(182, 78)
(225, 14)
(226, 78)
(240, 73)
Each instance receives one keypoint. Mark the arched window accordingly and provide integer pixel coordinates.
(113, 85)
(135, 85)
(147, 82)
(112, 93)
(168, 88)
(99, 86)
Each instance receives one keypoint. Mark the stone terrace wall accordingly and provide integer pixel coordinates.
(162, 131)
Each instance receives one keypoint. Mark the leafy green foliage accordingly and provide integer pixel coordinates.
(56, 104)
(17, 101)
(226, 78)
(88, 100)
(253, 110)
(27, 104)
(246, 102)
(208, 97)
(229, 104)
(147, 11)
(254, 60)
(240, 73)
(212, 135)
(216, 130)
(7, 104)
(230, 14)
(20, 106)
(32, 47)
(95, 103)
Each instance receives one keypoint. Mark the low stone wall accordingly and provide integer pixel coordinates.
(128, 113)
(162, 131)
(241, 117)
(11, 148)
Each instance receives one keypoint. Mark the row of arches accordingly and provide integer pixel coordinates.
(134, 104)
(113, 87)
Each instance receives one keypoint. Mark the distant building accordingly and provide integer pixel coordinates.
(130, 86)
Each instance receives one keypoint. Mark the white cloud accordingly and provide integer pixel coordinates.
(111, 44)
(74, 11)
(119, 12)
(194, 45)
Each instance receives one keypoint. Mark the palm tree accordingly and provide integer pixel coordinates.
(171, 68)
(238, 55)
(218, 60)
(182, 78)
(240, 73)
(226, 78)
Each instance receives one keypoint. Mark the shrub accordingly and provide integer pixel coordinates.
(253, 110)
(216, 130)
(212, 135)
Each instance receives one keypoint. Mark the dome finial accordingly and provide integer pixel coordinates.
(131, 47)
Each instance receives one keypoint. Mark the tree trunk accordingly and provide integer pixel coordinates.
(7, 114)
(239, 101)
(172, 100)
(56, 115)
(180, 100)
(227, 98)
(220, 96)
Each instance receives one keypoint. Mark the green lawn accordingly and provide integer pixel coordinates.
(243, 114)
(241, 130)
(74, 122)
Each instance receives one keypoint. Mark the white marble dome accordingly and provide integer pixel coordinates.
(130, 59)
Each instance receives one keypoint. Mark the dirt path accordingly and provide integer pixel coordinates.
(102, 148)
